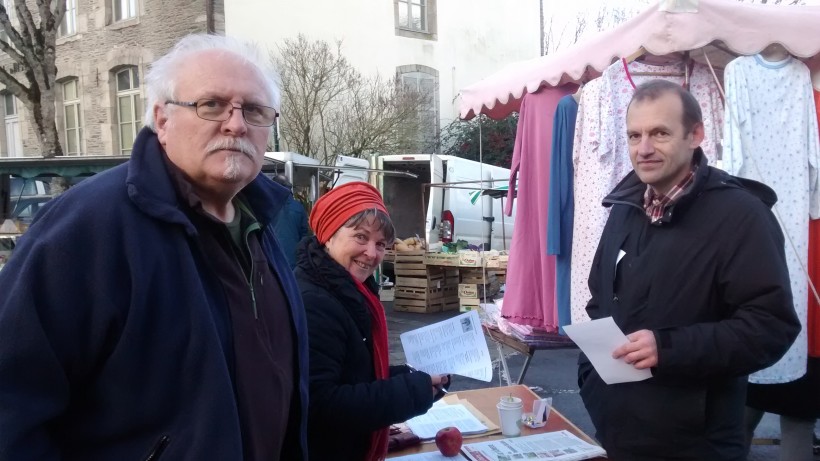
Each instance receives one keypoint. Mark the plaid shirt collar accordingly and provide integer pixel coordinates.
(655, 204)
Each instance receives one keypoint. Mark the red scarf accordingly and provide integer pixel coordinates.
(381, 364)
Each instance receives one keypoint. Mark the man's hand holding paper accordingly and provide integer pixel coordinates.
(641, 351)
(600, 339)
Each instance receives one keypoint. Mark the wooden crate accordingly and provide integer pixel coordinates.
(477, 276)
(430, 290)
(419, 293)
(418, 306)
(389, 256)
(426, 306)
(410, 263)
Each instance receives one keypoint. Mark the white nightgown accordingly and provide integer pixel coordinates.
(774, 140)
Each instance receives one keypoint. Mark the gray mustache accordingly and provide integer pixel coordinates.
(239, 144)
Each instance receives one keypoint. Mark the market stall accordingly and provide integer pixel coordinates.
(686, 41)
(750, 66)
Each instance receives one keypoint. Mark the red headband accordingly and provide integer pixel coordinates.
(333, 209)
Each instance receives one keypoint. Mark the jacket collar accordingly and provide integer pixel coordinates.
(314, 264)
(152, 190)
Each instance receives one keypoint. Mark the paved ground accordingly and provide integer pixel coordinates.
(551, 374)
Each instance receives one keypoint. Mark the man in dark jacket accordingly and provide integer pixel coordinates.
(691, 267)
(291, 223)
(148, 313)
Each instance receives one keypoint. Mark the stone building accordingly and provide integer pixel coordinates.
(103, 51)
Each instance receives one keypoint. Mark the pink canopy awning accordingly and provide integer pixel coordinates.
(716, 26)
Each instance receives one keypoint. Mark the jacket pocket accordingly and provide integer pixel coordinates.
(650, 418)
(159, 447)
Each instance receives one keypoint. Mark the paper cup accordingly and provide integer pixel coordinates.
(509, 413)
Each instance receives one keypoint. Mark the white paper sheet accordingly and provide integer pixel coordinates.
(453, 346)
(438, 417)
(598, 339)
(557, 446)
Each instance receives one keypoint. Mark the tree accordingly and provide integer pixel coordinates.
(330, 108)
(603, 18)
(461, 139)
(31, 46)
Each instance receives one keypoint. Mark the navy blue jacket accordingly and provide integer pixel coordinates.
(291, 228)
(114, 335)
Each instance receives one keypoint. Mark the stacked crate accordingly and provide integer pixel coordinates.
(498, 265)
(476, 284)
(421, 288)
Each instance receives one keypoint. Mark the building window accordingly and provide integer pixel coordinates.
(416, 18)
(124, 9)
(9, 6)
(129, 107)
(413, 15)
(73, 118)
(69, 24)
(424, 80)
(14, 139)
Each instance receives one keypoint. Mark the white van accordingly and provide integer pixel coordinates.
(349, 170)
(418, 208)
(302, 171)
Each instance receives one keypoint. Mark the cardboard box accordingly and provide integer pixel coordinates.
(469, 259)
(441, 259)
(468, 290)
(387, 294)
(468, 304)
(461, 259)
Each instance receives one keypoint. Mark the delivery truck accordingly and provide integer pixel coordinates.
(437, 204)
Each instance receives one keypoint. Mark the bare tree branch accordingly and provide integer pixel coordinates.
(31, 44)
(329, 108)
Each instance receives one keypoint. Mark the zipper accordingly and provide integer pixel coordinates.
(621, 202)
(159, 447)
(248, 231)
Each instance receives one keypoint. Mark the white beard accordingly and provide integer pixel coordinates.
(232, 167)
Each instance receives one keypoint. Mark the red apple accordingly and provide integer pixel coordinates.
(448, 441)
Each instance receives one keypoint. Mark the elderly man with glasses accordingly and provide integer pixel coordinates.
(149, 313)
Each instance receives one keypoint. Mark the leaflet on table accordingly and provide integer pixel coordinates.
(554, 446)
(440, 416)
(453, 346)
(598, 339)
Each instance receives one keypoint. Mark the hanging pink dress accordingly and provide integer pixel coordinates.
(530, 295)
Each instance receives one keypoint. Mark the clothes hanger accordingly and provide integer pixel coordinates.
(577, 95)
(642, 53)
(774, 53)
(637, 54)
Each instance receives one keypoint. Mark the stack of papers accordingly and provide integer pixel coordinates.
(441, 416)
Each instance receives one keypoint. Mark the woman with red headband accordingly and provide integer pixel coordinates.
(354, 394)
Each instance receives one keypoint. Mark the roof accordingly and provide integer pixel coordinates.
(714, 26)
(31, 167)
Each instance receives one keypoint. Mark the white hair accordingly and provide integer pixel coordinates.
(161, 79)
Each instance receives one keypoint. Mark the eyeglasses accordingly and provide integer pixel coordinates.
(217, 110)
